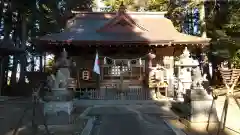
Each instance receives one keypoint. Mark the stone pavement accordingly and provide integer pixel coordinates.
(11, 111)
(119, 125)
(233, 113)
(131, 120)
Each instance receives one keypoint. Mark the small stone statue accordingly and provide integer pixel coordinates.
(197, 78)
(185, 54)
(62, 61)
(63, 65)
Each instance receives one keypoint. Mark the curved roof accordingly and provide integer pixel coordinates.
(124, 27)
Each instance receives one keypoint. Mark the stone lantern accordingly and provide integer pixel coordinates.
(196, 97)
(185, 66)
(151, 74)
(60, 98)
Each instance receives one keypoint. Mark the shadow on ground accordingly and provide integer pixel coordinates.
(184, 111)
(11, 113)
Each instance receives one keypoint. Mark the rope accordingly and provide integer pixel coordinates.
(128, 59)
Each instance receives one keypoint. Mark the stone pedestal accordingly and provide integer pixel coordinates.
(61, 94)
(186, 85)
(202, 105)
(60, 99)
(103, 91)
(58, 106)
(152, 94)
(171, 87)
(158, 94)
(123, 97)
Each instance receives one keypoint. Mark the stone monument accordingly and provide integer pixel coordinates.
(60, 97)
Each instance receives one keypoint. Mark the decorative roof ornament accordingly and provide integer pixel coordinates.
(186, 53)
(105, 60)
(186, 60)
(128, 63)
(122, 8)
(64, 53)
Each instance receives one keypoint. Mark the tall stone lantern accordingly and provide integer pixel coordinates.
(185, 66)
(60, 98)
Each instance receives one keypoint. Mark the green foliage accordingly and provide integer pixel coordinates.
(157, 5)
(114, 4)
(26, 20)
(236, 59)
(135, 5)
(175, 10)
(222, 21)
(224, 30)
(152, 5)
(49, 66)
(233, 24)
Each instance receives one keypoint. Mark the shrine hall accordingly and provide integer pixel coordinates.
(129, 46)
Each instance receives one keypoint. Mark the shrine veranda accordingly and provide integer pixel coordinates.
(130, 45)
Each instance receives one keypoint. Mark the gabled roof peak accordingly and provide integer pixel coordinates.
(122, 9)
(123, 19)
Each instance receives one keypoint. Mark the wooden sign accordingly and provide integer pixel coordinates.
(85, 75)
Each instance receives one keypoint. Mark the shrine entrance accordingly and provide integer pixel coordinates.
(123, 77)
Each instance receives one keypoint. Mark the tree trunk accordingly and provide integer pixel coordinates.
(202, 20)
(41, 62)
(5, 66)
(23, 59)
(14, 71)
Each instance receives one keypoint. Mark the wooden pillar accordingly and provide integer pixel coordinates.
(41, 62)
(202, 58)
(44, 61)
(151, 56)
(1, 74)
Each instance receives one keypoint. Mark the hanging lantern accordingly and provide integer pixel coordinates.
(133, 62)
(109, 61)
(105, 60)
(128, 63)
(140, 61)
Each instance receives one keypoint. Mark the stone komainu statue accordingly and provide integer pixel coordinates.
(197, 78)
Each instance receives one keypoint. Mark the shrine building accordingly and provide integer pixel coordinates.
(129, 44)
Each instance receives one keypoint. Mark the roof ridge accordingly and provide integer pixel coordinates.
(120, 17)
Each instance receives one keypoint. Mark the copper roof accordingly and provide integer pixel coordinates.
(136, 27)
